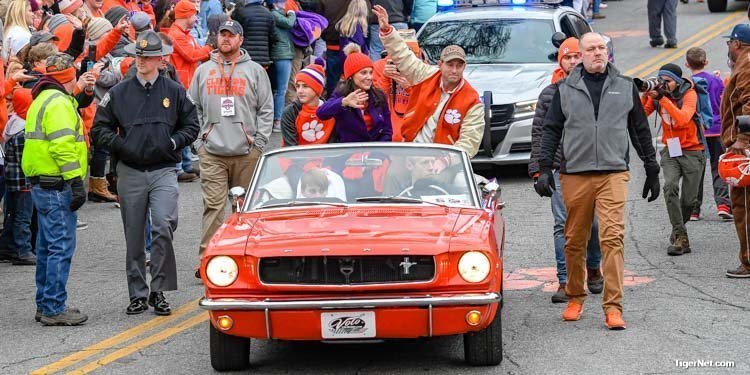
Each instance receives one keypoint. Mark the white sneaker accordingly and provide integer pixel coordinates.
(81, 225)
(277, 126)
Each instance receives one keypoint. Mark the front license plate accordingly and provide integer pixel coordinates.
(348, 325)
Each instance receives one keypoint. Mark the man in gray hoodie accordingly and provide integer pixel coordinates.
(235, 106)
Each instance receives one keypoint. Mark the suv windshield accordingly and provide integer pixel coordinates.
(491, 41)
(362, 175)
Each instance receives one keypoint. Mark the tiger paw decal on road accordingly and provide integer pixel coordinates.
(528, 278)
(452, 116)
(312, 131)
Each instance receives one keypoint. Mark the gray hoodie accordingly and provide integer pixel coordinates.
(253, 106)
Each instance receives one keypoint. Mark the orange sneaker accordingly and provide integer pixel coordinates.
(614, 320)
(573, 311)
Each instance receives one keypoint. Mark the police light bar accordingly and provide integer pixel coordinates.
(450, 4)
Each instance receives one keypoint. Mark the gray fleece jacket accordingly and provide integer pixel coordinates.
(252, 121)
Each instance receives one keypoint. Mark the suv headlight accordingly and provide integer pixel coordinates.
(524, 110)
(474, 266)
(221, 270)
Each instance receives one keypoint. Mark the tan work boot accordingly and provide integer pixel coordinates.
(98, 191)
(680, 245)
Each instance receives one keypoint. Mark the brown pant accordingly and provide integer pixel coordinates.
(605, 195)
(291, 90)
(218, 175)
(740, 198)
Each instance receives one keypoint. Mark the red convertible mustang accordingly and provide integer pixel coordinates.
(358, 242)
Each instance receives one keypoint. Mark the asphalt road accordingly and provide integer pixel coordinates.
(677, 309)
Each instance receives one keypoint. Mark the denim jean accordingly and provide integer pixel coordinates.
(376, 46)
(19, 209)
(282, 70)
(595, 6)
(593, 253)
(99, 158)
(334, 69)
(55, 245)
(186, 165)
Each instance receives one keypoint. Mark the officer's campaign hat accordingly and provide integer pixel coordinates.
(148, 43)
(740, 32)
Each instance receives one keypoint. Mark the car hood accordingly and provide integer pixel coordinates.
(510, 83)
(369, 230)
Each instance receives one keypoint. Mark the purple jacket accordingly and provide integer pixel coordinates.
(715, 90)
(357, 38)
(350, 125)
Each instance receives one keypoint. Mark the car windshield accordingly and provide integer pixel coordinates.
(492, 41)
(339, 176)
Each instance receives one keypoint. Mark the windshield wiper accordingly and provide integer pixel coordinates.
(396, 199)
(304, 203)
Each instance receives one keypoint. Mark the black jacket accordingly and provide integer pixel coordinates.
(398, 10)
(257, 26)
(333, 11)
(545, 98)
(146, 121)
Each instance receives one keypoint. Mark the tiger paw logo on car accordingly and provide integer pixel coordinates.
(312, 131)
(452, 116)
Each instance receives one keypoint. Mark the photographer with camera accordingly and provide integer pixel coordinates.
(675, 100)
(596, 107)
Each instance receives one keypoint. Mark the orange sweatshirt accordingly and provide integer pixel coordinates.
(675, 121)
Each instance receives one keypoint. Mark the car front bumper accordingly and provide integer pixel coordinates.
(396, 317)
(513, 149)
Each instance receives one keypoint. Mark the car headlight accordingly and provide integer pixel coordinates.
(221, 270)
(474, 266)
(524, 109)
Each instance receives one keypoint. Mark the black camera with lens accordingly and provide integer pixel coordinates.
(650, 84)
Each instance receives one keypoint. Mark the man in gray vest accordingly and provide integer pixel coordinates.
(592, 114)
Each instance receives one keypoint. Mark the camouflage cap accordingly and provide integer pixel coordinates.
(453, 52)
(59, 62)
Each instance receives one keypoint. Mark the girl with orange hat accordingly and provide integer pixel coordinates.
(360, 109)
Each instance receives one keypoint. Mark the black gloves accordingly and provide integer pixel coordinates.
(545, 184)
(79, 193)
(651, 185)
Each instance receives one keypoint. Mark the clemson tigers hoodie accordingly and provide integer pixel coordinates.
(212, 91)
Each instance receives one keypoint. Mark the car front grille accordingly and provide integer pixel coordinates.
(346, 270)
(502, 115)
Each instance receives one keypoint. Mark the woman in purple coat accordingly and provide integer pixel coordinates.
(359, 108)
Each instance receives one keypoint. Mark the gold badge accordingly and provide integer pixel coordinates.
(144, 43)
(165, 102)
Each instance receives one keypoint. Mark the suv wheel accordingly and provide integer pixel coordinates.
(716, 6)
(485, 347)
(228, 353)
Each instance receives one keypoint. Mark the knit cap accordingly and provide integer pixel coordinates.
(184, 9)
(140, 21)
(672, 71)
(56, 21)
(567, 47)
(69, 6)
(314, 76)
(115, 14)
(355, 60)
(98, 27)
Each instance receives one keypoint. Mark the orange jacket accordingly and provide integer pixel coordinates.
(397, 101)
(187, 54)
(675, 121)
(425, 97)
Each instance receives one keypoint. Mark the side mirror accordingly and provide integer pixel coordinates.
(558, 38)
(237, 196)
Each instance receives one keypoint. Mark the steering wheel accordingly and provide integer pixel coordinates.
(407, 191)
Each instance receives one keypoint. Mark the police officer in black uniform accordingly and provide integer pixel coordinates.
(145, 121)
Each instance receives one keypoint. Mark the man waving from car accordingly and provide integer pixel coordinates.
(443, 107)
